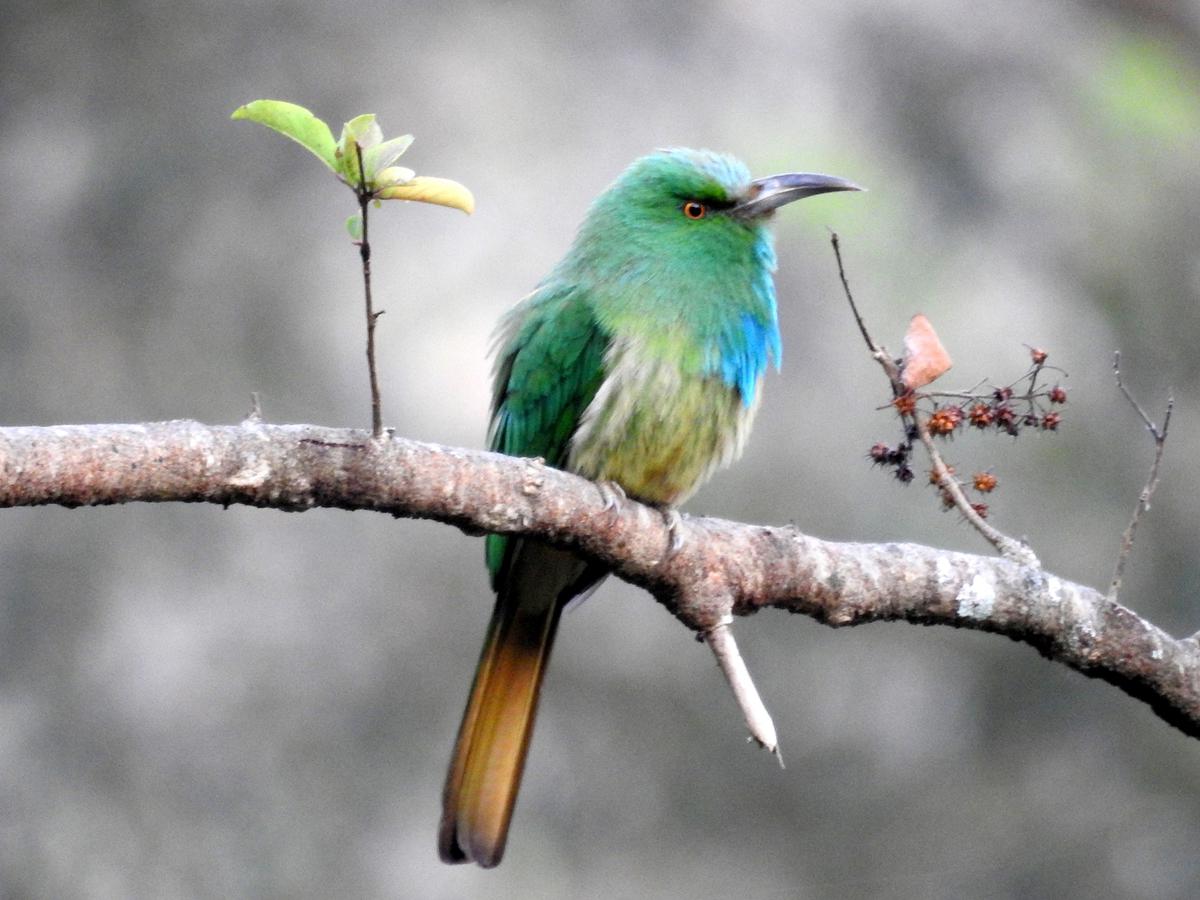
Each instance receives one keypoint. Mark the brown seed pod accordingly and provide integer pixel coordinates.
(906, 403)
(944, 420)
(880, 454)
(933, 475)
(985, 482)
(981, 415)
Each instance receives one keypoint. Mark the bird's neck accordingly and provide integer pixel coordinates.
(710, 310)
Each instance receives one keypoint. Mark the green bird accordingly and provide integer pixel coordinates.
(638, 361)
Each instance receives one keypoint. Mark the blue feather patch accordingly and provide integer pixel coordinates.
(747, 345)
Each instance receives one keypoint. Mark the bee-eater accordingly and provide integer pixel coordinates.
(637, 361)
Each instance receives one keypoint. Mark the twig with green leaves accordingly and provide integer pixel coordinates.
(363, 161)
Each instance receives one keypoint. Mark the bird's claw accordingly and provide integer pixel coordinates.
(611, 493)
(674, 522)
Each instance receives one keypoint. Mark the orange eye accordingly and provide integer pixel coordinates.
(694, 209)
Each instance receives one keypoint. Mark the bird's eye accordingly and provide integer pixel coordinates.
(694, 209)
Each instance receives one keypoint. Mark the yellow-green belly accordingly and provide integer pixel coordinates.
(658, 434)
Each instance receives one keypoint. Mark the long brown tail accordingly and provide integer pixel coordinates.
(489, 756)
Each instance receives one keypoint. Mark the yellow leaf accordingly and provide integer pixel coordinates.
(428, 189)
(392, 176)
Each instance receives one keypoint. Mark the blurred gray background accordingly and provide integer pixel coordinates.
(242, 703)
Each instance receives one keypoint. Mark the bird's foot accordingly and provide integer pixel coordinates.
(674, 522)
(611, 493)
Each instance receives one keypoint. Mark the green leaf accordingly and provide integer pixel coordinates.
(427, 189)
(361, 131)
(295, 122)
(381, 156)
(354, 226)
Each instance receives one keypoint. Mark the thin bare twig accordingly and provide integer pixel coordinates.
(733, 667)
(364, 248)
(875, 349)
(1143, 504)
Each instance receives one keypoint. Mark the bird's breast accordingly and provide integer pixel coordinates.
(656, 428)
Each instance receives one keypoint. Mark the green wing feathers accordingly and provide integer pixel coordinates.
(550, 364)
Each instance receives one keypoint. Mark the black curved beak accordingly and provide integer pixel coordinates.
(770, 193)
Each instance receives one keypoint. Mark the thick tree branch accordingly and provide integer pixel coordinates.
(720, 568)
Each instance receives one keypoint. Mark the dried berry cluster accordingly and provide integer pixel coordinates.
(1010, 409)
(981, 482)
(996, 411)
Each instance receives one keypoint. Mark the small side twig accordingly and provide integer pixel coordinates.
(1009, 548)
(733, 667)
(255, 416)
(1143, 504)
(364, 248)
(1006, 546)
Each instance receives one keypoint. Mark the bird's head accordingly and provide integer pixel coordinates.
(677, 253)
(683, 203)
(699, 184)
